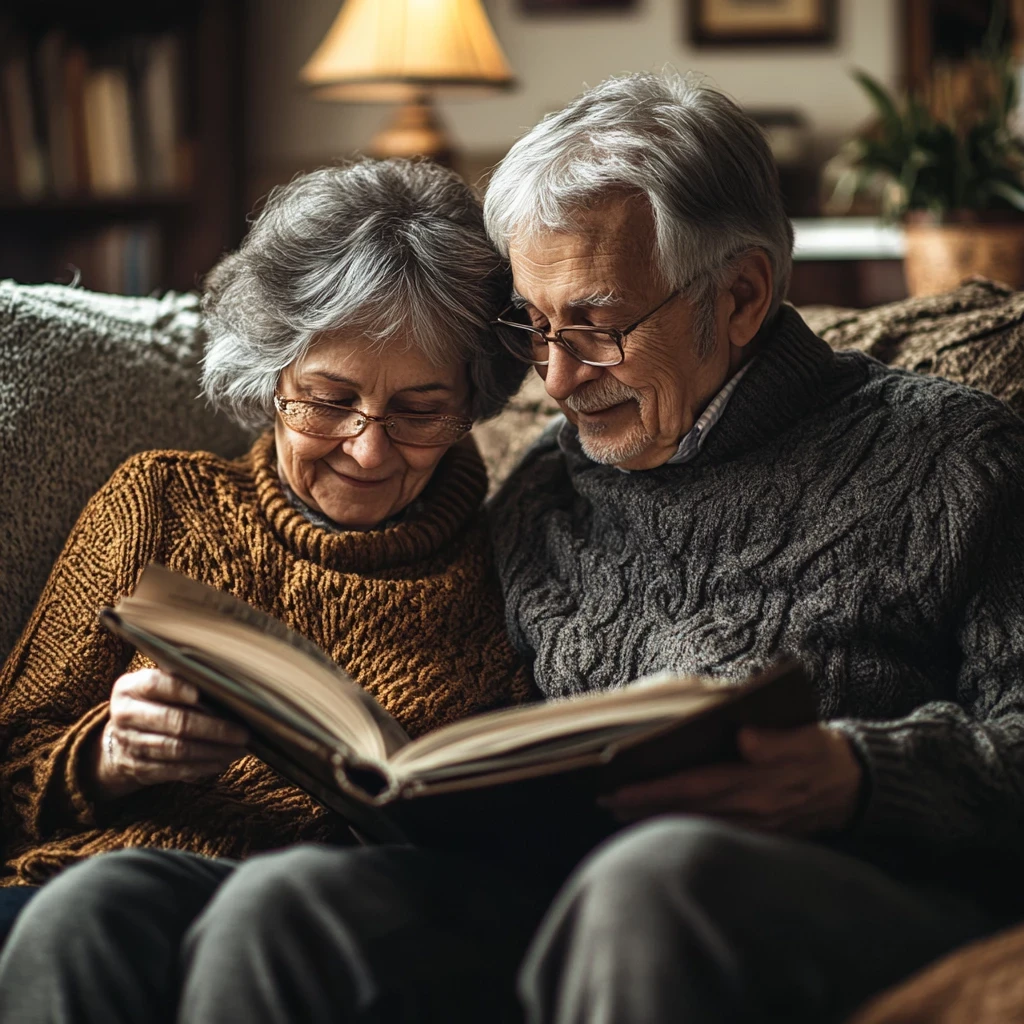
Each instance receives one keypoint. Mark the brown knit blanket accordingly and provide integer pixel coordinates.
(973, 335)
(981, 984)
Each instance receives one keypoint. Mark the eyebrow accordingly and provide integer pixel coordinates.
(595, 300)
(338, 378)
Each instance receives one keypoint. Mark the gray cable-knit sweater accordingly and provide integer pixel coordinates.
(868, 520)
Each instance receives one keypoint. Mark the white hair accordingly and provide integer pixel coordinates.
(393, 249)
(702, 164)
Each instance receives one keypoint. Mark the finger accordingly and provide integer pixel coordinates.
(152, 684)
(148, 746)
(173, 720)
(771, 746)
(154, 773)
(685, 788)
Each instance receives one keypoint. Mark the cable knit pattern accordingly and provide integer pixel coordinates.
(413, 612)
(865, 519)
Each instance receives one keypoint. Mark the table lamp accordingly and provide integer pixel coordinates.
(406, 51)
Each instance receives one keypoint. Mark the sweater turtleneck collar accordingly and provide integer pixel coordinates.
(447, 505)
(794, 374)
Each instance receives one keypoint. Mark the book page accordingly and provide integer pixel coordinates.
(236, 638)
(520, 730)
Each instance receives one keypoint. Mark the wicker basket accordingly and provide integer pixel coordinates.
(939, 256)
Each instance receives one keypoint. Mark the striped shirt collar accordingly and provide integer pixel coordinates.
(695, 437)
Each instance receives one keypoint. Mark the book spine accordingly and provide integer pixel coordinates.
(29, 167)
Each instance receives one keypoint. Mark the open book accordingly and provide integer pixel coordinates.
(318, 728)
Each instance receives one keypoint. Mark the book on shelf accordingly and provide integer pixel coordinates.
(108, 132)
(123, 259)
(106, 121)
(533, 769)
(28, 155)
(64, 172)
(160, 120)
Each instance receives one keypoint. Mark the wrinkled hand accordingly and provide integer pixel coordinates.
(157, 734)
(791, 781)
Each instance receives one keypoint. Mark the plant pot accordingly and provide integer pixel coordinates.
(940, 255)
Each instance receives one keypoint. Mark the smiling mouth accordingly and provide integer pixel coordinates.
(602, 412)
(356, 481)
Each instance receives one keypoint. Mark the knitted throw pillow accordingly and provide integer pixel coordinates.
(973, 335)
(85, 381)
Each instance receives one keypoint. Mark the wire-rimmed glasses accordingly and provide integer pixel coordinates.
(594, 346)
(324, 419)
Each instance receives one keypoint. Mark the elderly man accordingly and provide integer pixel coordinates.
(723, 489)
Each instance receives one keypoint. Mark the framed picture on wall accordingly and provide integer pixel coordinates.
(762, 22)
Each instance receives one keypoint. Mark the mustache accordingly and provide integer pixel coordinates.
(602, 394)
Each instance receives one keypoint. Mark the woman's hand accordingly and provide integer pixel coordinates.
(157, 734)
(792, 781)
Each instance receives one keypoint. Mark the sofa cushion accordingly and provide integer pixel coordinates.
(85, 381)
(973, 335)
(503, 440)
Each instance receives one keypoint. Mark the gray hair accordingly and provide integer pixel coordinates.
(393, 249)
(702, 164)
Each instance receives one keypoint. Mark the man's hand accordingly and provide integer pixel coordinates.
(156, 733)
(792, 781)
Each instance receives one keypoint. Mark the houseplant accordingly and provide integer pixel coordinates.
(951, 166)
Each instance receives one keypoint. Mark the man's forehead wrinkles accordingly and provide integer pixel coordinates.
(521, 258)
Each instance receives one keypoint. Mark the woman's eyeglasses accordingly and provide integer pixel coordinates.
(594, 346)
(323, 419)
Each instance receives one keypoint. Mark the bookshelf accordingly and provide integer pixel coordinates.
(121, 141)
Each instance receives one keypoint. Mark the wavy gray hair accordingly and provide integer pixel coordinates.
(703, 165)
(393, 249)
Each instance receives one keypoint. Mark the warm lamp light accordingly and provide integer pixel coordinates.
(404, 51)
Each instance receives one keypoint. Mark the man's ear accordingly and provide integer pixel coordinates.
(751, 296)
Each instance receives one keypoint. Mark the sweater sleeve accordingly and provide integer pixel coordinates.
(56, 682)
(951, 773)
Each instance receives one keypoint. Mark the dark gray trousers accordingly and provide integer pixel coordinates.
(688, 921)
(678, 920)
(309, 935)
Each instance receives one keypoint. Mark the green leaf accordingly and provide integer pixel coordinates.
(892, 120)
(1013, 194)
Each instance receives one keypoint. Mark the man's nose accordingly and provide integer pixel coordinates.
(564, 373)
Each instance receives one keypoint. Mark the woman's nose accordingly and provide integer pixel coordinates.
(370, 448)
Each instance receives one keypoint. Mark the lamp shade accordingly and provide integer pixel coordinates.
(383, 49)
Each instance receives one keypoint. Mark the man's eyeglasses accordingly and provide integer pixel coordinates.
(323, 419)
(594, 346)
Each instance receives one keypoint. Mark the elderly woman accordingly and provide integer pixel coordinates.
(355, 320)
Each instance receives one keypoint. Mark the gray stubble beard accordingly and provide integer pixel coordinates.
(606, 451)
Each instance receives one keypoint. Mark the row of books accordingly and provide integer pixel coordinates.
(123, 259)
(76, 123)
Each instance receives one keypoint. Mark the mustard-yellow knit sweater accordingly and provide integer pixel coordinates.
(412, 611)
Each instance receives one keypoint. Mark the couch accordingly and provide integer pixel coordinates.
(88, 379)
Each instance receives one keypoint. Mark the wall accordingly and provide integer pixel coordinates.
(553, 58)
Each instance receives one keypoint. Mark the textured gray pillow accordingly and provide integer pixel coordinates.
(85, 381)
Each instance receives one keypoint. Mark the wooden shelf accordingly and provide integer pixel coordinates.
(102, 207)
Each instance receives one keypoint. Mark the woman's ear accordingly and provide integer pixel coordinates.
(751, 290)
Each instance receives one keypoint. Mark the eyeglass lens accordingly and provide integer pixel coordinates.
(331, 421)
(589, 345)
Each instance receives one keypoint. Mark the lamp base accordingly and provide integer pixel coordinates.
(415, 130)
